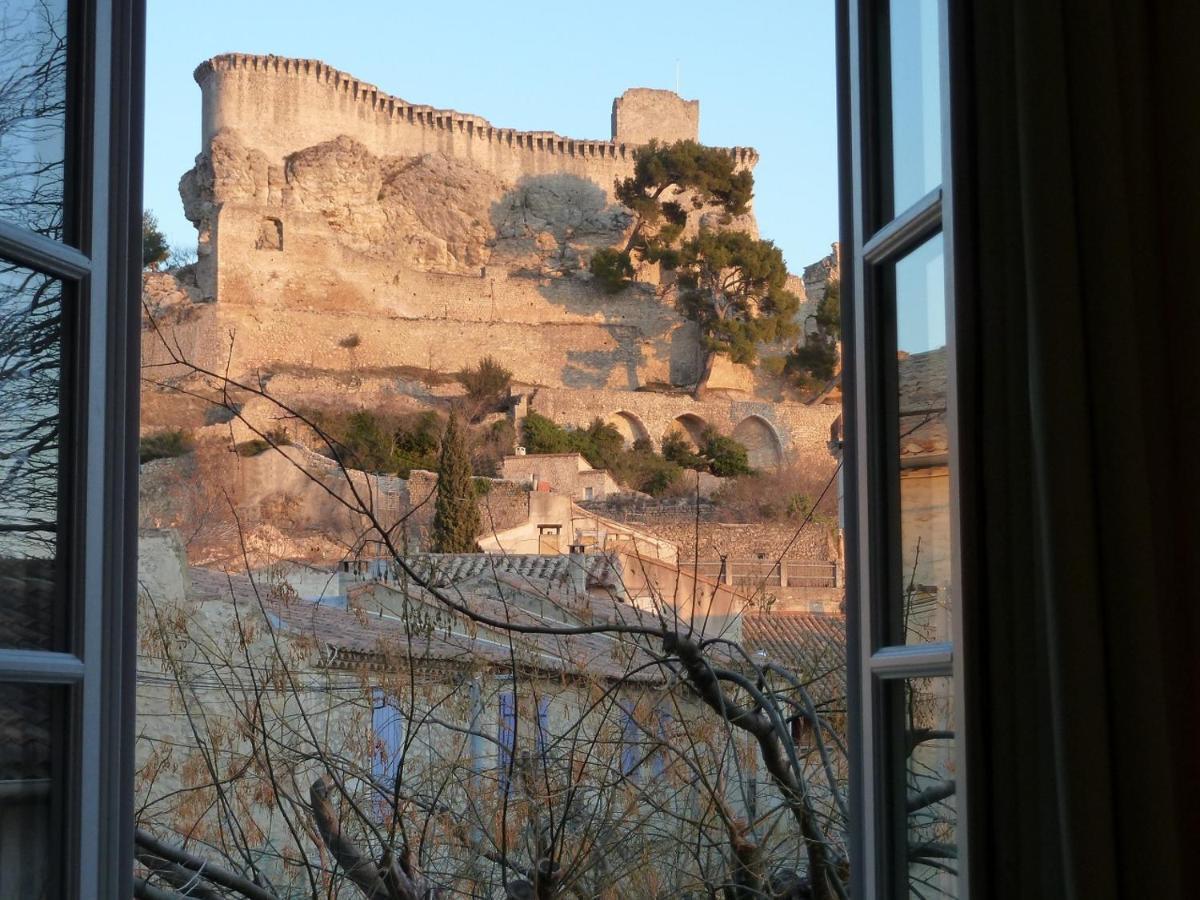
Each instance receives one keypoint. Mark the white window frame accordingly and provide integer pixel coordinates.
(872, 240)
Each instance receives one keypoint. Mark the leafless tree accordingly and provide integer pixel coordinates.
(741, 796)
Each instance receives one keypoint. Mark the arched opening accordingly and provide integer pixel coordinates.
(692, 427)
(631, 427)
(763, 447)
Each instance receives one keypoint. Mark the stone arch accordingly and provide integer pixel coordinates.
(630, 425)
(763, 446)
(691, 425)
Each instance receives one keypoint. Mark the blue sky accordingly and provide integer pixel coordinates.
(763, 72)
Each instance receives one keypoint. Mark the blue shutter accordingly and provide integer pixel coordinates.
(659, 765)
(388, 751)
(629, 743)
(507, 733)
(543, 726)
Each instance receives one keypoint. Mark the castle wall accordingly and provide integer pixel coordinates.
(273, 341)
(280, 105)
(300, 304)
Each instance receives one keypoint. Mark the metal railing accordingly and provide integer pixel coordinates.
(767, 573)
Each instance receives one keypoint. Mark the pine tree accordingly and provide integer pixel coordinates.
(731, 284)
(155, 249)
(456, 517)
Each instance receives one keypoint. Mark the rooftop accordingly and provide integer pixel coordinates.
(812, 645)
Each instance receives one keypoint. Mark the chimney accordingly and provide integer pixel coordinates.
(520, 451)
(578, 568)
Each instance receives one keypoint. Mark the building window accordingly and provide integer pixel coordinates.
(899, 379)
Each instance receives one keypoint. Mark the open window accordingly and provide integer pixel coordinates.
(70, 209)
(901, 460)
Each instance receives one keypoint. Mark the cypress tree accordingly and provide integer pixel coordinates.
(456, 517)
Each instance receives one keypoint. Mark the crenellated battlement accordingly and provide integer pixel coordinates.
(281, 105)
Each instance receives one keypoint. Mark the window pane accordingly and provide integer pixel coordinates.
(930, 863)
(30, 379)
(33, 91)
(924, 464)
(27, 801)
(916, 105)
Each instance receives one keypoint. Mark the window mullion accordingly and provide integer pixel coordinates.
(40, 666)
(912, 661)
(919, 222)
(35, 251)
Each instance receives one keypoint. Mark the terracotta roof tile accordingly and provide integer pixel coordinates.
(811, 644)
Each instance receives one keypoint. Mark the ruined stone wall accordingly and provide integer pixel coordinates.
(675, 521)
(774, 429)
(770, 541)
(267, 341)
(281, 105)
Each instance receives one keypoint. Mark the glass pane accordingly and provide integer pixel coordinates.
(929, 808)
(28, 740)
(33, 91)
(30, 379)
(916, 104)
(924, 483)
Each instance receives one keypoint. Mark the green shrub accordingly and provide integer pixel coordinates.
(600, 444)
(639, 467)
(276, 437)
(678, 449)
(718, 454)
(813, 362)
(644, 470)
(773, 365)
(542, 435)
(612, 269)
(364, 444)
(155, 249)
(165, 445)
(417, 439)
(726, 457)
(252, 447)
(487, 382)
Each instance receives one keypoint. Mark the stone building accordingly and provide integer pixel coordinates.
(566, 473)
